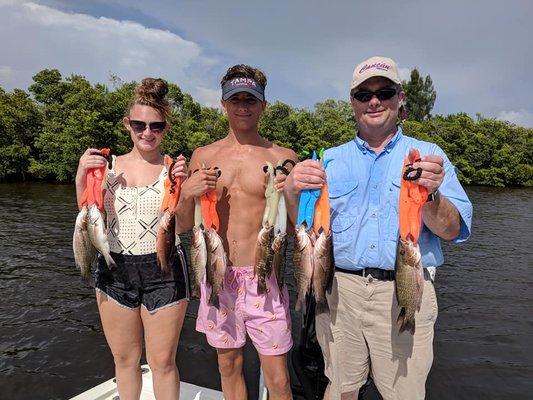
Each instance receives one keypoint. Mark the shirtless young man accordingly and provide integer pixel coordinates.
(240, 189)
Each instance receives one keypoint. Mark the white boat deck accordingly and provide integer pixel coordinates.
(108, 390)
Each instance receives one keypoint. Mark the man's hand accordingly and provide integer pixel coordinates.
(307, 174)
(200, 182)
(279, 181)
(432, 172)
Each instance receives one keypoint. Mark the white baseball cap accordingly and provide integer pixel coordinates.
(375, 66)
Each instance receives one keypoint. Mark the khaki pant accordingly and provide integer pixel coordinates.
(360, 335)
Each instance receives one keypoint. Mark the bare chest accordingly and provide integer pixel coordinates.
(242, 173)
(132, 174)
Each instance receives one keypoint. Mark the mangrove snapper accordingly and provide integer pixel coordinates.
(216, 265)
(97, 234)
(263, 258)
(279, 247)
(84, 251)
(198, 259)
(323, 270)
(165, 242)
(409, 283)
(303, 264)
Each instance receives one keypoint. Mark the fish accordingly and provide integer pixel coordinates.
(263, 258)
(198, 259)
(269, 191)
(409, 283)
(84, 251)
(323, 270)
(279, 247)
(272, 197)
(165, 242)
(97, 234)
(303, 264)
(216, 265)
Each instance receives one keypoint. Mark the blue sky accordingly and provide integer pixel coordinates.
(478, 53)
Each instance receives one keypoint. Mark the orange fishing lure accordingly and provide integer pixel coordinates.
(93, 188)
(412, 197)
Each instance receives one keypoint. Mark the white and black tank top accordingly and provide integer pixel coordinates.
(133, 213)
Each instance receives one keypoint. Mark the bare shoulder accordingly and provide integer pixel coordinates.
(283, 153)
(205, 153)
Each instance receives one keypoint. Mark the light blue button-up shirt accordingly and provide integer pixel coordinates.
(364, 189)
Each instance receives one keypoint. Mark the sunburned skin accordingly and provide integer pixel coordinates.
(241, 192)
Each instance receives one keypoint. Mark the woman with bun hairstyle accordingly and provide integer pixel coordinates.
(137, 299)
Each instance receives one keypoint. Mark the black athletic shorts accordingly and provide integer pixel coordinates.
(139, 280)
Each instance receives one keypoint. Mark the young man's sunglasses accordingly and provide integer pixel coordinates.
(382, 94)
(140, 126)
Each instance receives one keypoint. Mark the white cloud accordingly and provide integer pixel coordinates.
(405, 73)
(94, 47)
(208, 97)
(475, 68)
(6, 73)
(521, 117)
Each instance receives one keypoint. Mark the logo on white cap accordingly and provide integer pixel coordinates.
(381, 66)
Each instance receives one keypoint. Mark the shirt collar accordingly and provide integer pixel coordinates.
(364, 146)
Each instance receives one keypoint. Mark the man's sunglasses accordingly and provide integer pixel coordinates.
(140, 126)
(381, 94)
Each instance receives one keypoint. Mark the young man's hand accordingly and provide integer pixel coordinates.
(200, 182)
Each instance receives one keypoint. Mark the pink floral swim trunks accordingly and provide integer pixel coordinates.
(265, 318)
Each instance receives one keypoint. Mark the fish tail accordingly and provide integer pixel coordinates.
(195, 292)
(88, 280)
(161, 262)
(280, 282)
(261, 285)
(85, 274)
(405, 322)
(110, 262)
(213, 299)
(321, 306)
(195, 287)
(299, 303)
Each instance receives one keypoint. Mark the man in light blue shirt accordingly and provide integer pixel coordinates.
(359, 335)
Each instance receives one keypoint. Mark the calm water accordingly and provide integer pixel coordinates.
(52, 345)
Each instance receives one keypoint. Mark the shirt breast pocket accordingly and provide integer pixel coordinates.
(345, 209)
(392, 204)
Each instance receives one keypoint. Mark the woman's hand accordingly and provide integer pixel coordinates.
(91, 158)
(179, 170)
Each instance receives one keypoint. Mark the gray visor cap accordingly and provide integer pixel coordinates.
(237, 85)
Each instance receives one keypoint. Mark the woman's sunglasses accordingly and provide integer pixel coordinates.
(140, 126)
(382, 94)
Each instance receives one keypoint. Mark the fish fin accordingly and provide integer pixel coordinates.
(170, 260)
(405, 323)
(195, 291)
(322, 306)
(298, 305)
(110, 262)
(261, 286)
(88, 280)
(213, 299)
(420, 289)
(329, 282)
